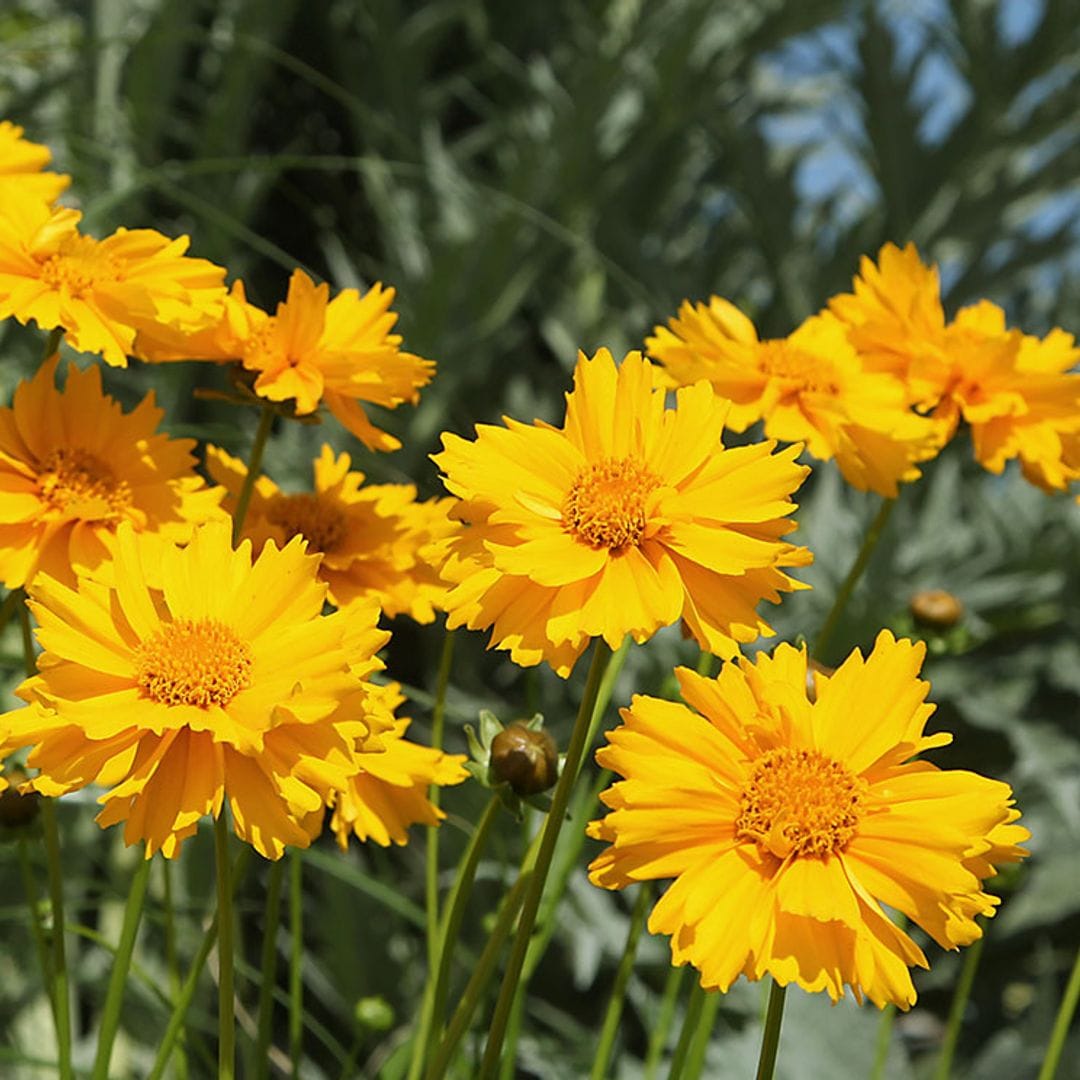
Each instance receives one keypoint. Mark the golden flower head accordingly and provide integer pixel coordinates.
(628, 518)
(74, 466)
(22, 165)
(378, 542)
(227, 682)
(787, 823)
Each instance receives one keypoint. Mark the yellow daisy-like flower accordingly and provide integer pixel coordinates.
(228, 682)
(809, 387)
(73, 466)
(22, 165)
(787, 821)
(102, 292)
(627, 518)
(378, 543)
(390, 791)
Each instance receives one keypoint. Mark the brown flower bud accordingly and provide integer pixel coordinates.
(811, 686)
(525, 759)
(936, 608)
(17, 810)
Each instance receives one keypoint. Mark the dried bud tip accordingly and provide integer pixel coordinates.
(936, 608)
(525, 759)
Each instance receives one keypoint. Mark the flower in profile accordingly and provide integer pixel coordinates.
(377, 541)
(23, 164)
(74, 466)
(810, 386)
(102, 292)
(788, 821)
(226, 683)
(628, 518)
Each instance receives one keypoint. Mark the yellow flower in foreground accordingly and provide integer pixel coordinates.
(227, 683)
(627, 518)
(22, 165)
(809, 387)
(786, 823)
(73, 466)
(102, 292)
(378, 543)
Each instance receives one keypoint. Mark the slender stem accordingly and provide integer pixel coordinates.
(226, 998)
(243, 500)
(9, 606)
(268, 976)
(296, 959)
(847, 586)
(658, 1037)
(699, 1040)
(172, 961)
(52, 342)
(689, 1025)
(606, 1043)
(1062, 1022)
(958, 1008)
(431, 854)
(114, 998)
(770, 1039)
(561, 797)
(36, 926)
(883, 1042)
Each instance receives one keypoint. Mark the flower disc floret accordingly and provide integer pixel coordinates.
(74, 481)
(318, 520)
(200, 662)
(608, 502)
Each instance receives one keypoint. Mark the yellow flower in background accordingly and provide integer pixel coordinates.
(786, 824)
(629, 517)
(22, 165)
(809, 387)
(228, 682)
(102, 292)
(74, 466)
(377, 541)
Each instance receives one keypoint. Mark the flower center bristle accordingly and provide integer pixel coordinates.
(796, 370)
(319, 522)
(193, 662)
(606, 506)
(79, 266)
(76, 482)
(800, 802)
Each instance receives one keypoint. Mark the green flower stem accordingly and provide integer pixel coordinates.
(606, 1044)
(36, 927)
(958, 1008)
(52, 342)
(431, 853)
(770, 1039)
(10, 606)
(691, 1018)
(883, 1042)
(1062, 1021)
(118, 977)
(268, 974)
(296, 960)
(225, 936)
(658, 1037)
(847, 586)
(699, 1041)
(243, 500)
(171, 959)
(574, 756)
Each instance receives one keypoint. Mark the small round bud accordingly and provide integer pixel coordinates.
(525, 759)
(17, 810)
(936, 609)
(375, 1013)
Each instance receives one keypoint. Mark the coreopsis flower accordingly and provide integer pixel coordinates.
(809, 387)
(23, 164)
(629, 517)
(74, 466)
(102, 292)
(787, 821)
(377, 541)
(227, 683)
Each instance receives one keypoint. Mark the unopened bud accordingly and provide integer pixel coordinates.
(525, 759)
(936, 608)
(17, 810)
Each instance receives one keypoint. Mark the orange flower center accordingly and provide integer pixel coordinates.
(77, 483)
(800, 802)
(795, 370)
(80, 266)
(321, 523)
(193, 662)
(607, 504)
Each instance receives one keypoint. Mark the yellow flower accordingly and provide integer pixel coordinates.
(786, 822)
(102, 292)
(809, 387)
(73, 466)
(378, 543)
(390, 791)
(627, 518)
(227, 683)
(21, 166)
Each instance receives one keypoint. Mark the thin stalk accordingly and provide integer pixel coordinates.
(243, 500)
(38, 930)
(296, 959)
(699, 1040)
(172, 961)
(268, 975)
(606, 1043)
(883, 1042)
(118, 977)
(52, 342)
(659, 1035)
(770, 1039)
(226, 998)
(689, 1025)
(431, 853)
(958, 1008)
(9, 606)
(1066, 1011)
(552, 826)
(847, 586)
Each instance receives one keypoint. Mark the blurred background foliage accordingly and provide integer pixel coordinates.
(538, 178)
